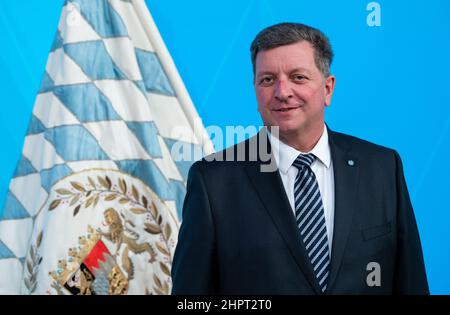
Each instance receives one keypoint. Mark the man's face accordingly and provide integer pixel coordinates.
(291, 91)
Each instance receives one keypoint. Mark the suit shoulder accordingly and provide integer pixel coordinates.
(362, 146)
(230, 158)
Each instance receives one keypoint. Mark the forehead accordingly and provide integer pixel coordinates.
(297, 55)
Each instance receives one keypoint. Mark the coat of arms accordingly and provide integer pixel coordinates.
(111, 234)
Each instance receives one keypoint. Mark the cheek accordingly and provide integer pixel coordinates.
(263, 97)
(307, 93)
(317, 94)
(263, 101)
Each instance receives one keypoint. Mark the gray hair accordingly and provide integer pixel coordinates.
(291, 33)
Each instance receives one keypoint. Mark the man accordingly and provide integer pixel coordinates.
(335, 218)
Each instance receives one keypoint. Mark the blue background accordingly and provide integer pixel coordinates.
(392, 82)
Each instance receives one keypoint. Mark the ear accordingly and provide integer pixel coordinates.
(329, 88)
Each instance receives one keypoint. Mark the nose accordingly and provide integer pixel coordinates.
(282, 91)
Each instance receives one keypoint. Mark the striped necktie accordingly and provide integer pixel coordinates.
(310, 217)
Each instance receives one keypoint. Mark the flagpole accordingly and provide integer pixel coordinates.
(187, 105)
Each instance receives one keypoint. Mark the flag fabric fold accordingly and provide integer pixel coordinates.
(94, 204)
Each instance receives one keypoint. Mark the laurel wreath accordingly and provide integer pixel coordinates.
(81, 196)
(32, 264)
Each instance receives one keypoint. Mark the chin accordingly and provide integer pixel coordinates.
(289, 127)
(286, 129)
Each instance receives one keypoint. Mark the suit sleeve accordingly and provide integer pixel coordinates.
(193, 269)
(410, 275)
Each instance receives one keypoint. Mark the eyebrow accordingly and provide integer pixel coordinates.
(300, 69)
(260, 74)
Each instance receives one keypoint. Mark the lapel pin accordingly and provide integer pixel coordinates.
(351, 162)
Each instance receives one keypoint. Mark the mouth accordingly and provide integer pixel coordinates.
(285, 109)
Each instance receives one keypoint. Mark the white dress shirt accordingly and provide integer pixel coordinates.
(322, 167)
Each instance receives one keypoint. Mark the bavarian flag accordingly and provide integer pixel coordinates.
(94, 204)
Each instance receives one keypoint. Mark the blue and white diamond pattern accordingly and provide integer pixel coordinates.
(106, 101)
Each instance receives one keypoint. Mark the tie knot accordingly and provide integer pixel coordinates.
(304, 160)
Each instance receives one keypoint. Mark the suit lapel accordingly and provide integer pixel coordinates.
(346, 174)
(273, 196)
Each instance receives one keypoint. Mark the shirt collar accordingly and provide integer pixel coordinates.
(285, 155)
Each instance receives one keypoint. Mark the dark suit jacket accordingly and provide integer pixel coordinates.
(239, 236)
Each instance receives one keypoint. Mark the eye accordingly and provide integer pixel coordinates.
(265, 81)
(299, 78)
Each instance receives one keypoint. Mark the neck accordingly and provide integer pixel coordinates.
(303, 141)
